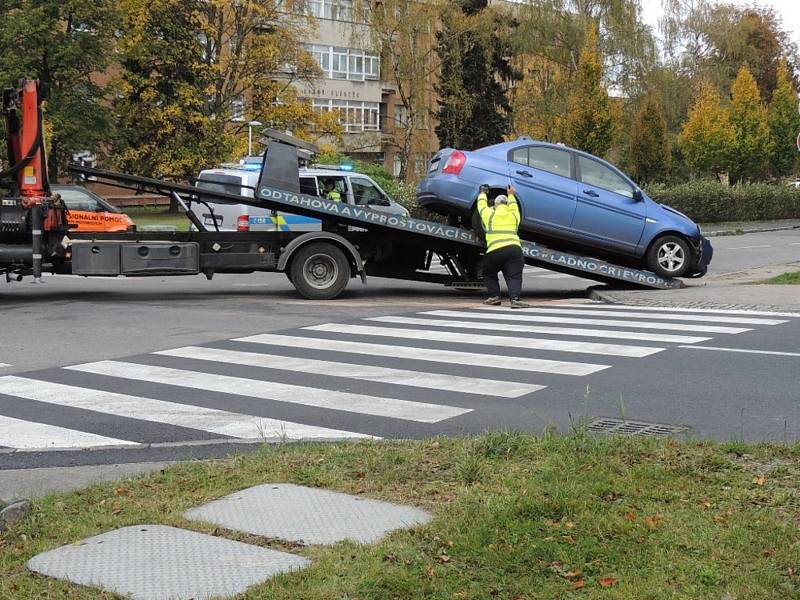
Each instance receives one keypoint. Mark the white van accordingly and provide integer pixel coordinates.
(241, 180)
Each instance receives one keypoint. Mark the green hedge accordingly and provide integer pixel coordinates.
(713, 202)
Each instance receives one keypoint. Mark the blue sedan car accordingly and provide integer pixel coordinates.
(569, 198)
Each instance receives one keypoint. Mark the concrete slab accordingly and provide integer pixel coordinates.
(34, 483)
(155, 562)
(307, 515)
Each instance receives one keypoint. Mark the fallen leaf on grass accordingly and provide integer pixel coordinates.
(705, 504)
(760, 480)
(652, 521)
(630, 516)
(573, 574)
(121, 491)
(768, 552)
(391, 557)
(430, 572)
(608, 581)
(580, 584)
(569, 525)
(116, 510)
(444, 558)
(570, 539)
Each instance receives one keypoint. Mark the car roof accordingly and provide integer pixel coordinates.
(239, 169)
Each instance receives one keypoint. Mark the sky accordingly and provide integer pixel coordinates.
(789, 10)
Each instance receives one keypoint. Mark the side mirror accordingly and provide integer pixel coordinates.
(638, 195)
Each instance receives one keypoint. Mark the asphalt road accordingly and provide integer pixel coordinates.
(738, 252)
(150, 370)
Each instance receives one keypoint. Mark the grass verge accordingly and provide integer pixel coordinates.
(785, 279)
(517, 517)
(159, 217)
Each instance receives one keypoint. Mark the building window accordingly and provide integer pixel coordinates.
(237, 109)
(337, 10)
(354, 115)
(400, 115)
(346, 63)
(420, 164)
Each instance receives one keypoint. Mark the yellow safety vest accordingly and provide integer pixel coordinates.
(335, 196)
(500, 223)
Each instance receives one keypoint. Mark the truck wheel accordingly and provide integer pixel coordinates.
(319, 271)
(670, 256)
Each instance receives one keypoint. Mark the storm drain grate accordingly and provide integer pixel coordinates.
(624, 427)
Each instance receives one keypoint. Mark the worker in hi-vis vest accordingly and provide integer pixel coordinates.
(503, 248)
(331, 193)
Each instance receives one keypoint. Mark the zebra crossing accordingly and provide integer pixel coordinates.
(369, 378)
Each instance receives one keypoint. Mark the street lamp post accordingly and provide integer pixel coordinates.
(250, 126)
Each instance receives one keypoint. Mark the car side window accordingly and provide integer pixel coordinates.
(365, 193)
(520, 156)
(78, 200)
(333, 184)
(599, 175)
(551, 160)
(308, 186)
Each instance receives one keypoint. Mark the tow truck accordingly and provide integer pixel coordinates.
(355, 241)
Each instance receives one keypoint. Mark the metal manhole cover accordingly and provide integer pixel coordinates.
(631, 428)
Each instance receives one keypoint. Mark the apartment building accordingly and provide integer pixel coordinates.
(352, 84)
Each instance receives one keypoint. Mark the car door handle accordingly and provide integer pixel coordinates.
(591, 193)
(525, 173)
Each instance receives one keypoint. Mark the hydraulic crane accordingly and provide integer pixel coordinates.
(36, 211)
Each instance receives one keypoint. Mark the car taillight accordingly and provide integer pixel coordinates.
(243, 223)
(455, 162)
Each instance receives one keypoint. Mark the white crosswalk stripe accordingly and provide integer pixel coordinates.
(280, 392)
(29, 435)
(511, 315)
(473, 359)
(449, 356)
(435, 381)
(645, 315)
(490, 340)
(159, 411)
(676, 309)
(467, 323)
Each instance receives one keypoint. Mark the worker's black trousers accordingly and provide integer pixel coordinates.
(510, 261)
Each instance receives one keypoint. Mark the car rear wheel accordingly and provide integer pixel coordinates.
(319, 271)
(670, 256)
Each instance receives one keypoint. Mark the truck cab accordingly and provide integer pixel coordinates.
(241, 180)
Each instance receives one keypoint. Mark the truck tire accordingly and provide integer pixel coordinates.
(319, 271)
(670, 256)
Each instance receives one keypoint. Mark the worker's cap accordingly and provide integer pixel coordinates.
(501, 199)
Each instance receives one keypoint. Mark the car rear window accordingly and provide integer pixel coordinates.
(550, 160)
(224, 184)
(547, 159)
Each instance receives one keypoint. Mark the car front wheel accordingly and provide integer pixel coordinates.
(670, 256)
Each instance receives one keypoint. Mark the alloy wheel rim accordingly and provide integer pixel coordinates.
(671, 257)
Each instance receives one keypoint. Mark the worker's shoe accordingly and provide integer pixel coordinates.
(517, 303)
(492, 301)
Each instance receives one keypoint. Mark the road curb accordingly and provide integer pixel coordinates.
(646, 299)
(737, 231)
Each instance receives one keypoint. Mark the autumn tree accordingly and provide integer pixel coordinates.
(590, 123)
(784, 124)
(404, 34)
(63, 43)
(708, 137)
(161, 103)
(253, 52)
(649, 148)
(751, 147)
(713, 40)
(195, 72)
(474, 50)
